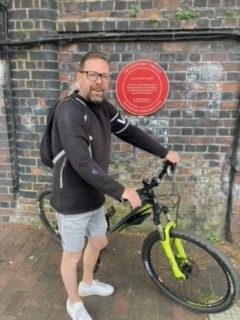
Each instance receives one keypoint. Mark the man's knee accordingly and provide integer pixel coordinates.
(71, 258)
(98, 243)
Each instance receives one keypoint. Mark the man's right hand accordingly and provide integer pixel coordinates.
(132, 196)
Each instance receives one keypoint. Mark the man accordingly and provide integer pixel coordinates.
(82, 128)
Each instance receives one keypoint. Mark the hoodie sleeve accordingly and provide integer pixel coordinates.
(133, 135)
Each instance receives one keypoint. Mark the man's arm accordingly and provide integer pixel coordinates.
(132, 134)
(135, 136)
(132, 196)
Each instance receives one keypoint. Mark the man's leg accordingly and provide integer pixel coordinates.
(89, 286)
(72, 229)
(75, 306)
(69, 274)
(90, 256)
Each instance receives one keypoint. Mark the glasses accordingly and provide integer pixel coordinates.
(93, 76)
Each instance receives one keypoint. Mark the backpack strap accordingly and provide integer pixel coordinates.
(62, 152)
(58, 156)
(86, 121)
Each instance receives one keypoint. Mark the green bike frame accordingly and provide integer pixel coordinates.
(136, 216)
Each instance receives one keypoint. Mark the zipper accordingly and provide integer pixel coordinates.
(61, 172)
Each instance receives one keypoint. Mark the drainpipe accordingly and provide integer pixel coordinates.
(3, 8)
(132, 36)
(233, 172)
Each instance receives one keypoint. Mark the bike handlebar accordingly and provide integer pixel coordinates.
(156, 180)
(147, 186)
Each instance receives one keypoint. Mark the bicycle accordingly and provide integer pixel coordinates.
(184, 268)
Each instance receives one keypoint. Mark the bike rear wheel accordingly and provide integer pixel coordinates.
(211, 284)
(47, 214)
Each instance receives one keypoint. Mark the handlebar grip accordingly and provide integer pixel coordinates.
(168, 164)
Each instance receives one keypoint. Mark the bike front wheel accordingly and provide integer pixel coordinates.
(211, 283)
(47, 214)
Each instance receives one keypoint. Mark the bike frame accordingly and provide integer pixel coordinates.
(131, 219)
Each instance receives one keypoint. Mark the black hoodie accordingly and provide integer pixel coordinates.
(80, 176)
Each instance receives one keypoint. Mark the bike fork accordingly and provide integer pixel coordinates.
(167, 249)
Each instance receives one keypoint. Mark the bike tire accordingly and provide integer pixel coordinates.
(211, 285)
(47, 215)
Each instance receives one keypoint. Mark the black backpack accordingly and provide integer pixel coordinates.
(46, 155)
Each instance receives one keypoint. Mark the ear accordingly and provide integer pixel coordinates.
(79, 79)
(79, 76)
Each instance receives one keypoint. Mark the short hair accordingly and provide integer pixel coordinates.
(93, 55)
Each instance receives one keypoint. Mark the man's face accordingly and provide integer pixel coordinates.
(93, 87)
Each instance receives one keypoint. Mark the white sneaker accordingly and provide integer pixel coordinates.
(95, 288)
(77, 311)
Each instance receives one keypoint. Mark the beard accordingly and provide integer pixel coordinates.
(96, 94)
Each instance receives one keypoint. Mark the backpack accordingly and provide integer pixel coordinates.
(46, 155)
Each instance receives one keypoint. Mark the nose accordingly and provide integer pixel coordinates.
(99, 79)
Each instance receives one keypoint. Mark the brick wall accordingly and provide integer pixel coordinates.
(157, 14)
(198, 119)
(35, 86)
(1, 26)
(6, 162)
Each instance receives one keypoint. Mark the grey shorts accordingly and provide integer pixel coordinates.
(75, 227)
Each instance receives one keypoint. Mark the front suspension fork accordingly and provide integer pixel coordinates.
(167, 248)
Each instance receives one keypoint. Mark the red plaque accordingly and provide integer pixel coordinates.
(142, 87)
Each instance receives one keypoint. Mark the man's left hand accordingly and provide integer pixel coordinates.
(173, 157)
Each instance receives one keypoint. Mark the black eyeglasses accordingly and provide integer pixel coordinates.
(93, 76)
